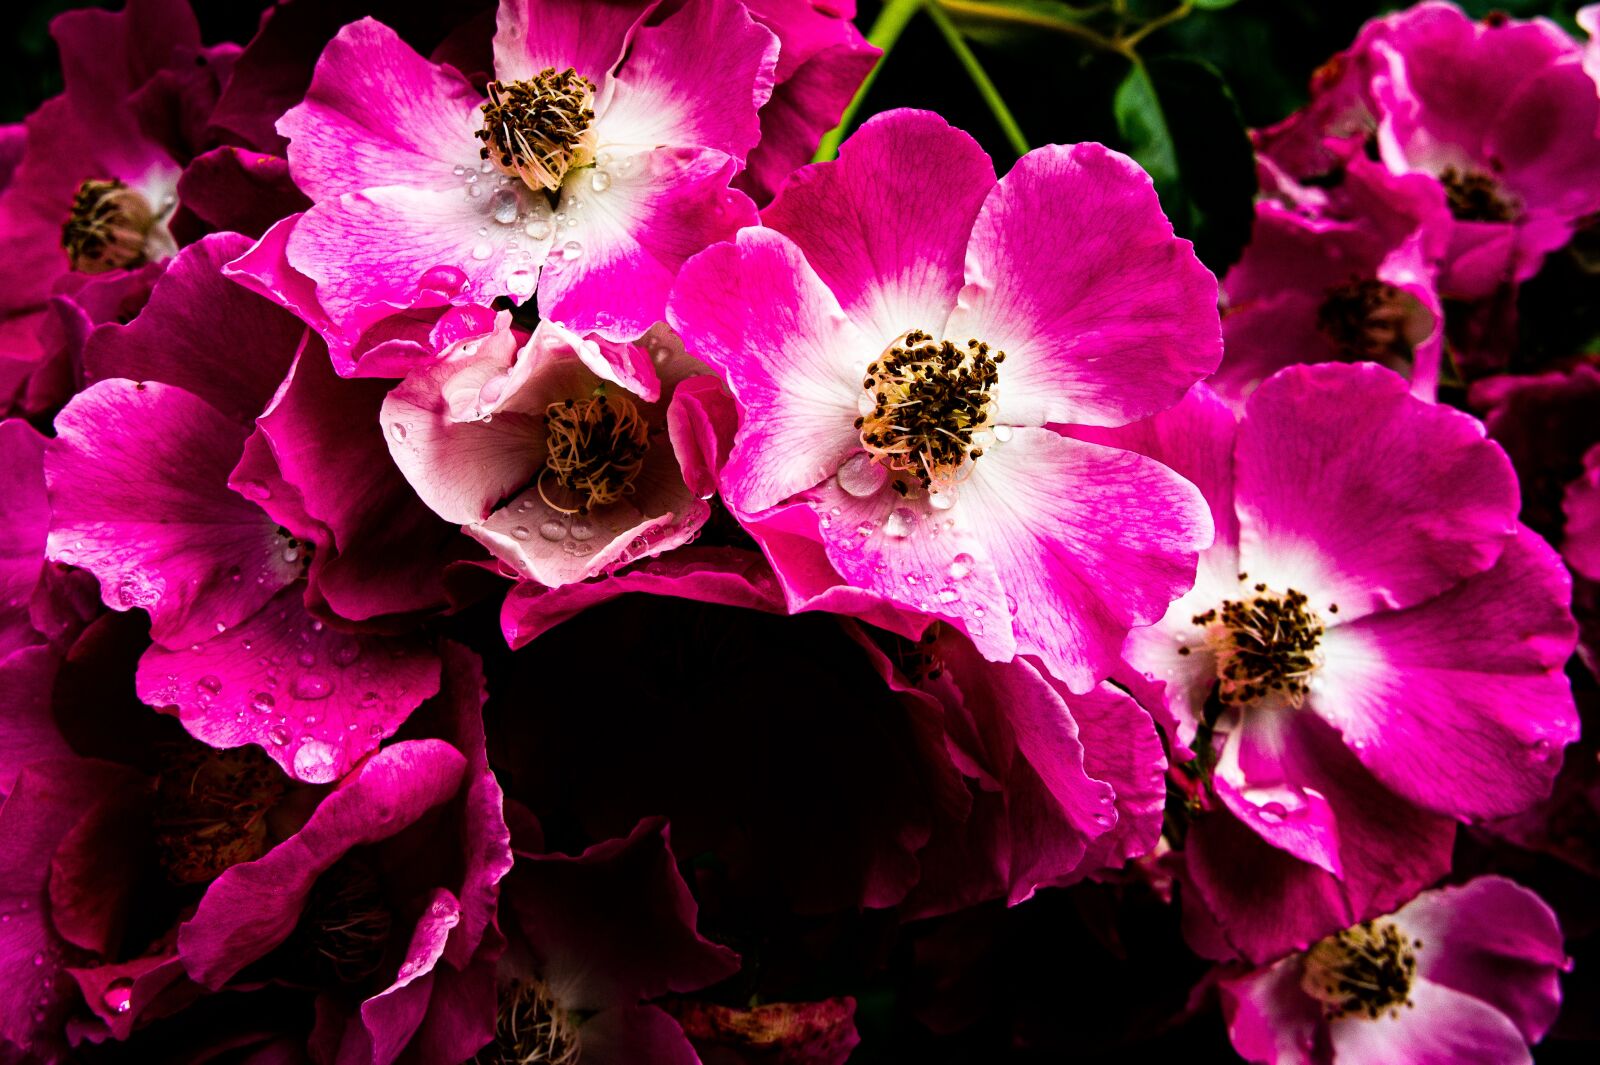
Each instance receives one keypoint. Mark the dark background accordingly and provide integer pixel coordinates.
(1093, 961)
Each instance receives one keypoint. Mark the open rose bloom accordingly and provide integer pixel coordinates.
(583, 532)
(900, 341)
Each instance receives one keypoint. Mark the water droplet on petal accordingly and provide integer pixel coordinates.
(553, 530)
(860, 476)
(347, 653)
(314, 762)
(211, 684)
(960, 566)
(581, 529)
(571, 249)
(38, 957)
(445, 280)
(521, 532)
(503, 206)
(312, 686)
(398, 431)
(521, 283)
(1002, 433)
(118, 995)
(941, 500)
(600, 180)
(482, 250)
(900, 522)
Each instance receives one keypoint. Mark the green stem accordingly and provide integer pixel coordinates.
(997, 14)
(884, 33)
(986, 89)
(1182, 11)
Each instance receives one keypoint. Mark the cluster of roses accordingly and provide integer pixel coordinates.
(336, 345)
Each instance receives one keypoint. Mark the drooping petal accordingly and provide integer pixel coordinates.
(615, 924)
(890, 239)
(315, 699)
(138, 479)
(252, 907)
(1439, 1025)
(1269, 1018)
(1114, 330)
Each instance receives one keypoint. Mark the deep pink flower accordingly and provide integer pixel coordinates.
(1466, 974)
(598, 163)
(567, 456)
(593, 937)
(903, 270)
(97, 186)
(1314, 288)
(1500, 112)
(141, 495)
(1373, 646)
(1581, 505)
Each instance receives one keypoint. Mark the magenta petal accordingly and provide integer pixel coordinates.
(635, 1035)
(1581, 505)
(1116, 328)
(139, 487)
(1359, 494)
(1495, 941)
(615, 924)
(313, 698)
(27, 677)
(684, 80)
(24, 523)
(1461, 704)
(236, 189)
(142, 980)
(253, 907)
(907, 226)
(756, 311)
(1269, 1018)
(1441, 1025)
(47, 800)
(203, 333)
(379, 114)
(587, 35)
(612, 274)
(392, 1016)
(721, 575)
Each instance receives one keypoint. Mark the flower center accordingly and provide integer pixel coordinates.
(1367, 320)
(1265, 645)
(107, 227)
(530, 1029)
(1476, 197)
(931, 409)
(345, 927)
(596, 449)
(1366, 970)
(540, 128)
(210, 809)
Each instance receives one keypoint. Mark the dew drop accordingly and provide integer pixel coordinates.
(503, 206)
(211, 683)
(600, 180)
(314, 762)
(1002, 433)
(398, 431)
(900, 522)
(948, 595)
(553, 530)
(347, 653)
(860, 476)
(312, 686)
(263, 702)
(538, 229)
(38, 957)
(482, 250)
(445, 280)
(306, 659)
(521, 532)
(960, 566)
(571, 249)
(291, 553)
(941, 500)
(582, 529)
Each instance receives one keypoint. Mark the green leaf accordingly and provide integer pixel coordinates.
(1180, 123)
(1214, 5)
(1144, 130)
